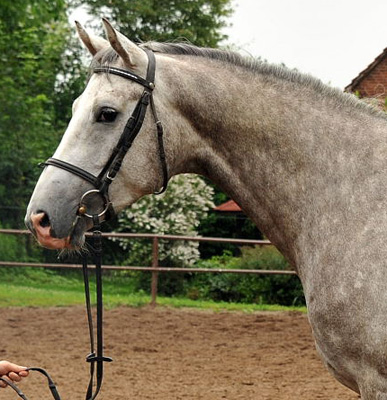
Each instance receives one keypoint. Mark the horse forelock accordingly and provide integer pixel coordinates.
(105, 57)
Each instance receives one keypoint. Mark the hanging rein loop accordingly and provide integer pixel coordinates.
(51, 384)
(96, 357)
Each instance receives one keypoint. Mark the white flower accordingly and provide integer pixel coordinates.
(178, 211)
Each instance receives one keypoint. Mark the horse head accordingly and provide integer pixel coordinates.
(77, 182)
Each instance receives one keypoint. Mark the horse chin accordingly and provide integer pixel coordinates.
(77, 236)
(53, 243)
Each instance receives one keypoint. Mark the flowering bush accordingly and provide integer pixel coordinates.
(178, 211)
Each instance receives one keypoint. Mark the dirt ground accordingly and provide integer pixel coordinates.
(169, 354)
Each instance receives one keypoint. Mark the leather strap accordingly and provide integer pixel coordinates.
(42, 371)
(130, 132)
(160, 139)
(96, 357)
(15, 388)
(126, 74)
(87, 176)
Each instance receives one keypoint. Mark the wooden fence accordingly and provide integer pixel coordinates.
(155, 269)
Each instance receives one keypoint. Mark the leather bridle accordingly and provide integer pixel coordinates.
(101, 185)
(133, 126)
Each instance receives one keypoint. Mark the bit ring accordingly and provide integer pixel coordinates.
(82, 209)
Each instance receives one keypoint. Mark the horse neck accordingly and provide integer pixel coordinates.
(285, 152)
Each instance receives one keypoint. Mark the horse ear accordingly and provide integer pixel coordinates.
(131, 54)
(92, 42)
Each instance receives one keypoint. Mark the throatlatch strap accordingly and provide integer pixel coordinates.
(160, 134)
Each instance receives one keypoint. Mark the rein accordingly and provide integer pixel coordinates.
(96, 357)
(101, 184)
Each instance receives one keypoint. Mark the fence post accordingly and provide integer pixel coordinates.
(155, 274)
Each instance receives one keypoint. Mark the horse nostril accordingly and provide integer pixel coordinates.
(40, 219)
(45, 221)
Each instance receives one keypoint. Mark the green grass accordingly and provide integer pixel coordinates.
(38, 288)
(25, 296)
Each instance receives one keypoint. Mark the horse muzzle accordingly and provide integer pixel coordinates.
(41, 227)
(63, 227)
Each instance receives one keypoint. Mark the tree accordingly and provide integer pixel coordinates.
(33, 38)
(198, 21)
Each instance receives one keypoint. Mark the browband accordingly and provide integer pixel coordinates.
(126, 74)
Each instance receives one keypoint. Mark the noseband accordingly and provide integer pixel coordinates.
(133, 126)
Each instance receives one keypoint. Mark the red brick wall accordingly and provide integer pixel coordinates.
(374, 84)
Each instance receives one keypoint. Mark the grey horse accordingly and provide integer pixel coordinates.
(306, 162)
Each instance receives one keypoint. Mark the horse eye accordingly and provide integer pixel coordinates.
(107, 115)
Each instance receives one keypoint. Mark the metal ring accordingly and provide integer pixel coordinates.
(105, 197)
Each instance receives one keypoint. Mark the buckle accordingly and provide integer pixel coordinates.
(110, 178)
(93, 358)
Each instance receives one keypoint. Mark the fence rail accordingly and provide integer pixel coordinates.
(155, 269)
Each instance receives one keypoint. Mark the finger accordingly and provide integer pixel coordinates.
(14, 368)
(2, 383)
(23, 374)
(14, 377)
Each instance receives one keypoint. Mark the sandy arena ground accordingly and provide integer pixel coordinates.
(169, 354)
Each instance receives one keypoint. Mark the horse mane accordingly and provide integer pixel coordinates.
(255, 66)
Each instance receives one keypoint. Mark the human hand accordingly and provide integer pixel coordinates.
(11, 372)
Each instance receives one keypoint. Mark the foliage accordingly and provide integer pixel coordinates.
(178, 211)
(224, 224)
(31, 286)
(261, 289)
(11, 248)
(199, 21)
(33, 38)
(17, 248)
(23, 295)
